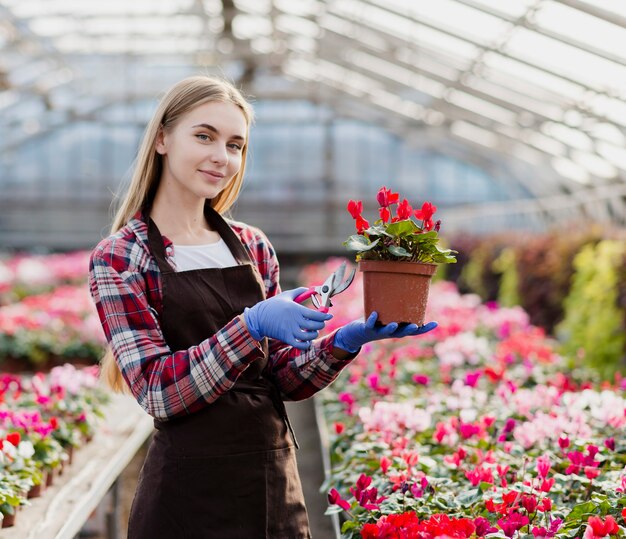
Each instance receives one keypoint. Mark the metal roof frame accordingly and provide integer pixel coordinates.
(487, 100)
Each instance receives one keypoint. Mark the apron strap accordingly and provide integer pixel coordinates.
(157, 247)
(227, 233)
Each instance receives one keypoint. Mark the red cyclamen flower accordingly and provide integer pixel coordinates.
(597, 528)
(355, 207)
(426, 215)
(385, 214)
(404, 210)
(386, 197)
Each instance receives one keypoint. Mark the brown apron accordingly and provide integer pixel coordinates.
(229, 470)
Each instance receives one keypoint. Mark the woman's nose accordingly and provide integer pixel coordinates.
(219, 154)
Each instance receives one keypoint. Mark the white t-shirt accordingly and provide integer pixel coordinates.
(211, 255)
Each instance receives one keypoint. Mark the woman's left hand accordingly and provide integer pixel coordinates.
(355, 334)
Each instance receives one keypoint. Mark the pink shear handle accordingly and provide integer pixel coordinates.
(306, 295)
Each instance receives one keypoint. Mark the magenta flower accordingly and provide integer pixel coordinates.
(543, 466)
(334, 498)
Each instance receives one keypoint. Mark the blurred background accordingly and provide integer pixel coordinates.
(504, 114)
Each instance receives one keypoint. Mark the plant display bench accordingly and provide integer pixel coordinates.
(66, 505)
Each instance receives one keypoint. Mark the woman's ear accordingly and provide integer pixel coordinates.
(159, 144)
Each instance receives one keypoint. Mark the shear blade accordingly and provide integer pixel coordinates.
(315, 301)
(341, 287)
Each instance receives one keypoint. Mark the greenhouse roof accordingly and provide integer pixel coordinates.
(534, 82)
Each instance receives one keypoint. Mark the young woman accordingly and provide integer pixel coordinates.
(202, 336)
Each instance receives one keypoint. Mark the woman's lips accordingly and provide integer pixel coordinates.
(212, 175)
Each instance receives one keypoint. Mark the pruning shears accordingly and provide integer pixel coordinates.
(333, 285)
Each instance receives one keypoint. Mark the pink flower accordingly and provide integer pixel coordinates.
(421, 379)
(334, 498)
(543, 466)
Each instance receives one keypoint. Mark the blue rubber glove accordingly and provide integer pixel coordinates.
(355, 334)
(283, 319)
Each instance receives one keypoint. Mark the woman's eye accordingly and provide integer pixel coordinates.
(235, 146)
(203, 137)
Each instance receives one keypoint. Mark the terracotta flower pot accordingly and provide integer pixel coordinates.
(397, 291)
(35, 491)
(9, 520)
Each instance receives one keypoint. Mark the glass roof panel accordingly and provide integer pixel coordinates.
(558, 57)
(445, 63)
(612, 109)
(481, 106)
(454, 17)
(396, 73)
(613, 154)
(569, 169)
(534, 76)
(595, 164)
(400, 27)
(79, 8)
(615, 6)
(580, 26)
(474, 134)
(514, 9)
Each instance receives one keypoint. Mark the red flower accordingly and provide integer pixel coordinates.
(426, 215)
(14, 438)
(530, 503)
(512, 523)
(386, 197)
(404, 210)
(385, 214)
(601, 529)
(355, 208)
(334, 498)
(545, 505)
(339, 427)
(385, 463)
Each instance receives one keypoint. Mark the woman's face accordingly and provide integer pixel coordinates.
(203, 152)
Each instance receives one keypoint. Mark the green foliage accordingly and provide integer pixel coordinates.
(593, 323)
(505, 264)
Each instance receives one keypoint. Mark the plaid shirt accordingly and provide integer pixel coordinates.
(125, 283)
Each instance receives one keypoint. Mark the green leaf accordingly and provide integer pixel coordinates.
(398, 251)
(580, 512)
(359, 243)
(333, 510)
(402, 228)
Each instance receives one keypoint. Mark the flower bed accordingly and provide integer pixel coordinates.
(43, 418)
(477, 429)
(54, 327)
(24, 275)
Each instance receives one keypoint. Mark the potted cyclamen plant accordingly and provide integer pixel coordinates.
(398, 257)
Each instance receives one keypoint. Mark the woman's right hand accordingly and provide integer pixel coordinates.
(281, 318)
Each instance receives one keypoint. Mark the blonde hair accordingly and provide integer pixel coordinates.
(179, 99)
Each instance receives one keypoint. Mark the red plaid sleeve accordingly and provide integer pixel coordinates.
(165, 384)
(297, 374)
